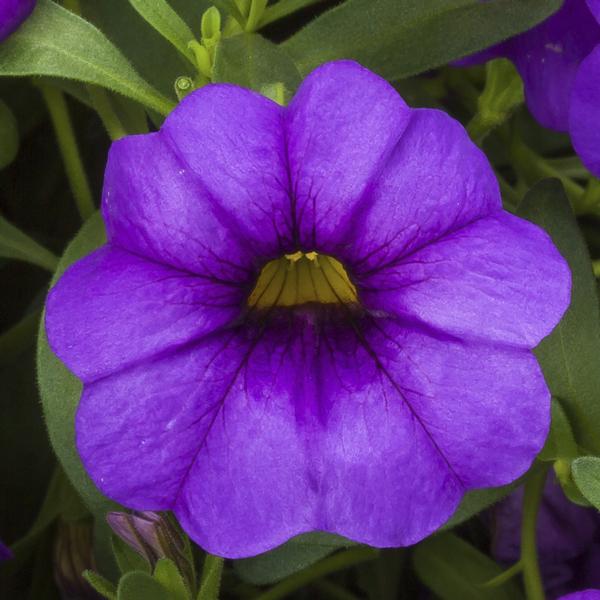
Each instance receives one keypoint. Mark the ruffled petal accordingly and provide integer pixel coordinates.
(232, 140)
(341, 127)
(211, 432)
(113, 309)
(373, 431)
(155, 206)
(499, 279)
(585, 112)
(435, 181)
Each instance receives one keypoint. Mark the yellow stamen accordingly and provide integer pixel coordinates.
(300, 278)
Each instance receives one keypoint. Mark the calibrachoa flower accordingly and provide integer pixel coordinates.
(585, 595)
(568, 539)
(559, 61)
(12, 14)
(307, 318)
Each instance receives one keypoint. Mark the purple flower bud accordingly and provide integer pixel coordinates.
(12, 14)
(153, 535)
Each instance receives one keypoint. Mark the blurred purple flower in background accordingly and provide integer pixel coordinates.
(585, 595)
(307, 318)
(12, 14)
(568, 538)
(559, 61)
(5, 553)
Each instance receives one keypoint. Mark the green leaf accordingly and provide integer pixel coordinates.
(55, 42)
(140, 586)
(293, 556)
(561, 444)
(252, 61)
(170, 578)
(15, 244)
(104, 587)
(60, 389)
(210, 580)
(477, 500)
(455, 570)
(570, 355)
(398, 38)
(167, 22)
(586, 473)
(127, 558)
(9, 136)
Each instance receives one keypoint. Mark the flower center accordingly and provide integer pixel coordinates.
(301, 278)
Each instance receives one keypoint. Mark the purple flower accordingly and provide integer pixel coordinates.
(12, 14)
(568, 539)
(585, 595)
(5, 553)
(585, 105)
(307, 318)
(548, 58)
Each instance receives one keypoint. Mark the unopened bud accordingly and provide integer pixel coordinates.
(154, 536)
(211, 24)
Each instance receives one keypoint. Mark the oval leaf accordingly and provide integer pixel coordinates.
(398, 38)
(586, 473)
(60, 389)
(455, 570)
(56, 42)
(253, 62)
(570, 355)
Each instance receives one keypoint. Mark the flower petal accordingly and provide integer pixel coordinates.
(594, 6)
(500, 278)
(585, 112)
(12, 14)
(341, 127)
(232, 140)
(428, 418)
(436, 180)
(251, 440)
(154, 206)
(210, 431)
(112, 309)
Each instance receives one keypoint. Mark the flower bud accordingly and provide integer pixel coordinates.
(211, 24)
(154, 536)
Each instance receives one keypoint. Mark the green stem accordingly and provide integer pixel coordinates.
(210, 582)
(341, 560)
(284, 8)
(257, 9)
(101, 102)
(504, 576)
(532, 578)
(67, 143)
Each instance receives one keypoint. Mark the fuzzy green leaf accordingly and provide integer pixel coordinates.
(398, 38)
(55, 42)
(586, 473)
(570, 355)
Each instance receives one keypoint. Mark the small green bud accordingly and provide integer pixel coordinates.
(183, 86)
(211, 24)
(203, 58)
